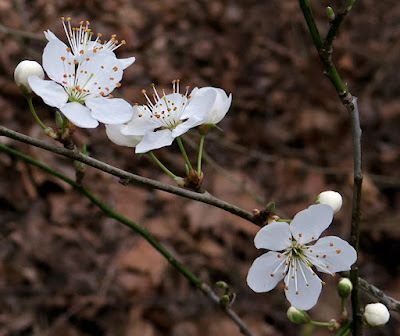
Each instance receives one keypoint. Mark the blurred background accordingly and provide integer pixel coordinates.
(67, 270)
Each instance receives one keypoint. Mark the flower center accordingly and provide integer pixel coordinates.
(167, 109)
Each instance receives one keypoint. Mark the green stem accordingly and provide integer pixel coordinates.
(159, 163)
(345, 329)
(31, 107)
(324, 49)
(199, 158)
(322, 324)
(284, 220)
(180, 144)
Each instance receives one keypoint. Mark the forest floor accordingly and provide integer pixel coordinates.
(68, 270)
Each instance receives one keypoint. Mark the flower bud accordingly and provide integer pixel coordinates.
(330, 13)
(344, 287)
(331, 198)
(298, 316)
(376, 314)
(22, 72)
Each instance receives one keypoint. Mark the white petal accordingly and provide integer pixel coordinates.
(110, 110)
(79, 115)
(50, 35)
(125, 62)
(184, 127)
(155, 140)
(308, 224)
(334, 255)
(140, 124)
(99, 72)
(199, 106)
(275, 236)
(57, 61)
(303, 286)
(265, 272)
(114, 134)
(52, 93)
(220, 107)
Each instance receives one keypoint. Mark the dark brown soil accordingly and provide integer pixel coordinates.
(67, 270)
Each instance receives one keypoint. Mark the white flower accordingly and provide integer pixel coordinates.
(221, 105)
(331, 198)
(376, 314)
(114, 134)
(25, 69)
(168, 117)
(81, 89)
(292, 256)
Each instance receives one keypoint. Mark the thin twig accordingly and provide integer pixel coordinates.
(324, 48)
(127, 177)
(205, 288)
(388, 301)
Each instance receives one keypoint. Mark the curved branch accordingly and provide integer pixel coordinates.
(127, 177)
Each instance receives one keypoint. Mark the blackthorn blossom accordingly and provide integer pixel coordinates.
(80, 87)
(170, 116)
(292, 256)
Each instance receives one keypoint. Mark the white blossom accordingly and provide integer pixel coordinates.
(292, 256)
(169, 116)
(81, 88)
(25, 69)
(376, 314)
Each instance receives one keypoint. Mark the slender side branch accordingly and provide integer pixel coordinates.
(129, 177)
(356, 215)
(388, 301)
(324, 48)
(206, 289)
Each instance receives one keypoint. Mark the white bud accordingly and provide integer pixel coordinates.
(331, 198)
(25, 69)
(376, 314)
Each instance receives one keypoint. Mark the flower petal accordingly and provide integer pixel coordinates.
(125, 62)
(275, 236)
(155, 140)
(79, 115)
(140, 124)
(52, 93)
(308, 224)
(110, 110)
(265, 272)
(99, 73)
(302, 285)
(220, 107)
(332, 254)
(199, 106)
(114, 134)
(57, 60)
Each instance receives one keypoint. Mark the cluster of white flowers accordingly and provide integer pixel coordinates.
(83, 76)
(294, 253)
